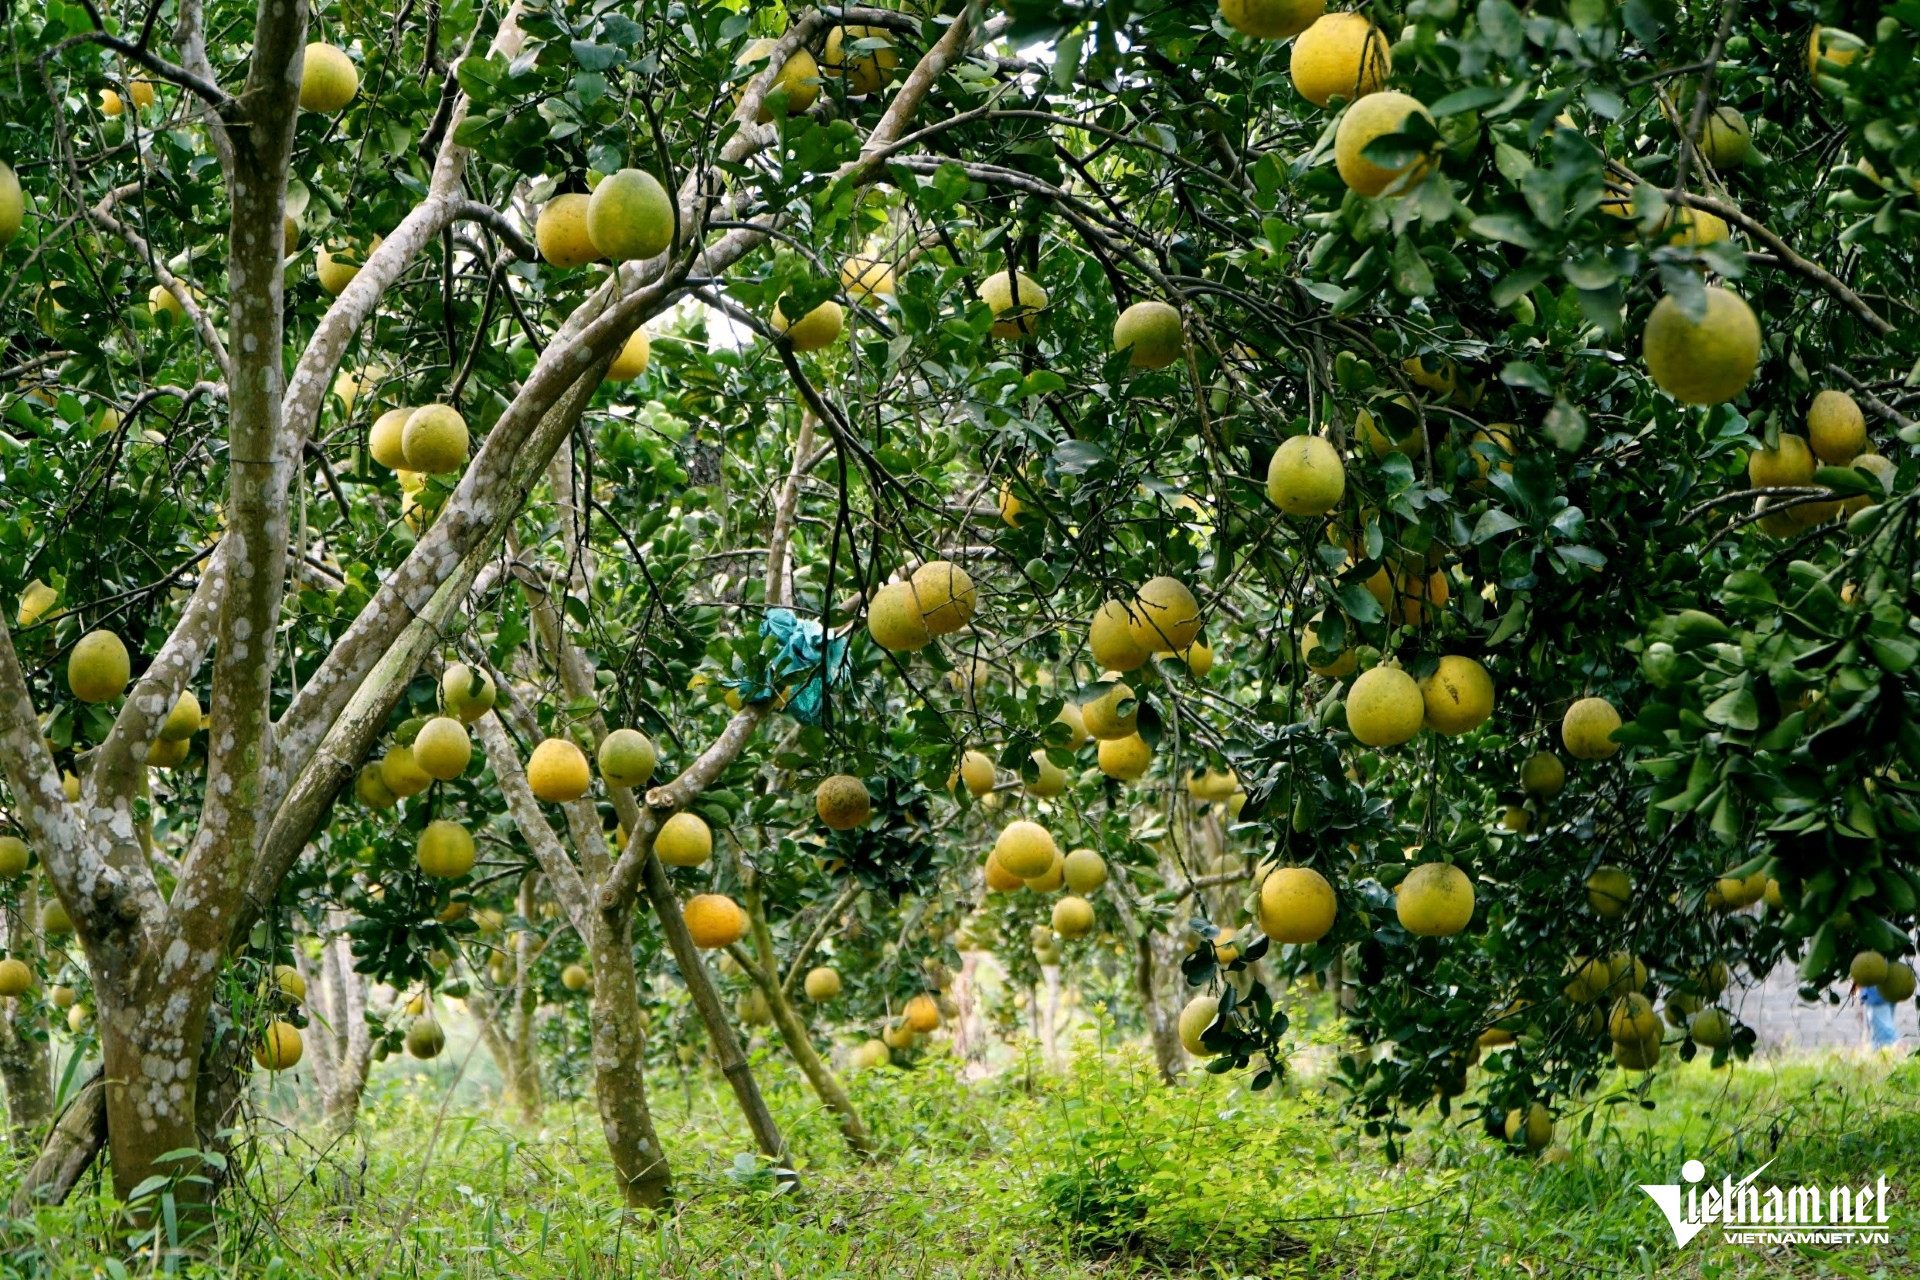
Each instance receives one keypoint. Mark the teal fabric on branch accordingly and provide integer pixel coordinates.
(803, 649)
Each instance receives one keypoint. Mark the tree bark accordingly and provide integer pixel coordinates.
(342, 1007)
(26, 1062)
(76, 1138)
(793, 1029)
(619, 1052)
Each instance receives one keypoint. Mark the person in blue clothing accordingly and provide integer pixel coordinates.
(1879, 1018)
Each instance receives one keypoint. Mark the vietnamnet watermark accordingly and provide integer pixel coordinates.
(1746, 1214)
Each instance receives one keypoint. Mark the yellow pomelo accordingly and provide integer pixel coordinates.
(445, 850)
(1025, 849)
(1017, 302)
(1695, 228)
(14, 856)
(1296, 905)
(466, 692)
(1194, 1020)
(1343, 54)
(1165, 617)
(289, 235)
(1074, 717)
(371, 790)
(1609, 892)
(184, 720)
(54, 920)
(1498, 435)
(842, 802)
(1343, 664)
(168, 755)
(866, 278)
(1898, 984)
(1516, 819)
(894, 619)
(976, 772)
(442, 748)
(799, 77)
(1384, 707)
(1084, 871)
(280, 1049)
(1834, 45)
(1152, 332)
(1711, 1028)
(384, 436)
(161, 299)
(111, 103)
(288, 982)
(13, 204)
(1706, 363)
(1458, 696)
(99, 667)
(626, 758)
(630, 216)
(560, 231)
(945, 594)
(557, 771)
(575, 977)
(1375, 116)
(1378, 443)
(434, 440)
(866, 70)
(921, 1014)
(1052, 779)
(1869, 969)
(1110, 638)
(1010, 506)
(870, 1055)
(1836, 429)
(329, 81)
(1073, 917)
(16, 979)
(684, 840)
(337, 265)
(822, 984)
(1789, 464)
(635, 354)
(1532, 1128)
(425, 1039)
(1632, 1020)
(1271, 19)
(36, 602)
(1435, 900)
(1726, 139)
(1103, 716)
(1306, 477)
(1001, 880)
(818, 328)
(1587, 729)
(1199, 658)
(1125, 758)
(714, 921)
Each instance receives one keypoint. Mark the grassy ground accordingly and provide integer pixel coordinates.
(1096, 1171)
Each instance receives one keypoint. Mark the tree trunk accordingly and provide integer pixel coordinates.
(1154, 956)
(152, 1062)
(76, 1138)
(619, 1057)
(523, 1078)
(26, 1062)
(342, 1005)
(793, 1030)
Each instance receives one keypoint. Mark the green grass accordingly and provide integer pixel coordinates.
(1096, 1171)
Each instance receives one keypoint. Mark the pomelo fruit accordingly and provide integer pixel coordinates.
(866, 70)
(1706, 363)
(976, 773)
(14, 857)
(626, 758)
(384, 436)
(1343, 664)
(1052, 779)
(1543, 774)
(1073, 917)
(866, 278)
(1127, 759)
(557, 771)
(1609, 892)
(401, 775)
(13, 204)
(1531, 1128)
(1711, 1028)
(999, 879)
(822, 984)
(894, 619)
(922, 1014)
(280, 1049)
(1384, 707)
(184, 720)
(15, 978)
(1306, 477)
(36, 601)
(1271, 19)
(1898, 984)
(99, 667)
(1297, 905)
(1726, 139)
(1790, 464)
(1110, 638)
(442, 748)
(425, 1039)
(1017, 301)
(1084, 870)
(1195, 1018)
(560, 232)
(329, 81)
(1375, 116)
(635, 354)
(445, 850)
(1025, 849)
(684, 840)
(630, 216)
(945, 595)
(714, 920)
(1341, 54)
(799, 76)
(1587, 729)
(1458, 696)
(371, 790)
(575, 977)
(1152, 332)
(1435, 900)
(336, 265)
(434, 440)
(466, 692)
(1868, 969)
(1165, 617)
(842, 802)
(818, 328)
(1836, 429)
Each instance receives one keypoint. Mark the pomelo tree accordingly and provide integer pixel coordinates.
(1425, 490)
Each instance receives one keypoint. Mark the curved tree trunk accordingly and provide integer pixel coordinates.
(26, 1061)
(619, 1052)
(76, 1138)
(793, 1029)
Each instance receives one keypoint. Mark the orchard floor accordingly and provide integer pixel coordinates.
(1095, 1171)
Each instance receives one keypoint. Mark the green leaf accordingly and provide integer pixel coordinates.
(1737, 709)
(1472, 98)
(1511, 228)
